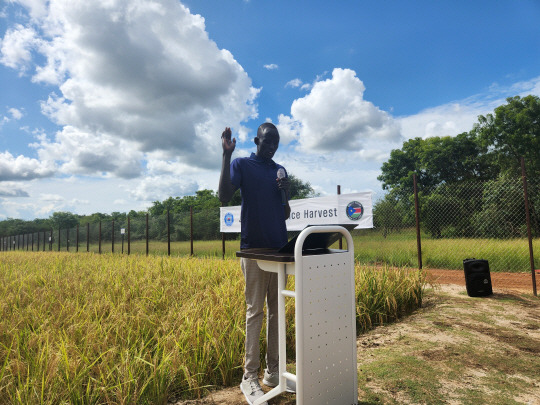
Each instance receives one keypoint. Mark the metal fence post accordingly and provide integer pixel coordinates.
(112, 238)
(417, 216)
(222, 239)
(528, 219)
(191, 228)
(147, 234)
(99, 237)
(168, 235)
(129, 235)
(77, 240)
(88, 236)
(59, 236)
(67, 240)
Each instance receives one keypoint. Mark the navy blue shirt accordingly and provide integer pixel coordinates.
(262, 214)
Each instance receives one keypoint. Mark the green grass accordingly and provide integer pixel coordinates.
(400, 249)
(118, 329)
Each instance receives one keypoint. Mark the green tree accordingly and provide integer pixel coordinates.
(299, 189)
(435, 161)
(63, 220)
(511, 132)
(389, 215)
(451, 204)
(503, 209)
(448, 210)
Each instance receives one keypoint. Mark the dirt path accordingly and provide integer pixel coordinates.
(454, 350)
(521, 282)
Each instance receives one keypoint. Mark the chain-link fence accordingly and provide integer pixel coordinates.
(482, 220)
(184, 233)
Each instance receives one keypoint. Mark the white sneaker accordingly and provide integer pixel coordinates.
(272, 380)
(251, 389)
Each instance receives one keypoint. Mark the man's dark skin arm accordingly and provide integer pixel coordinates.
(226, 188)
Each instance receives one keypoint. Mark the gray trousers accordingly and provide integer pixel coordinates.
(260, 285)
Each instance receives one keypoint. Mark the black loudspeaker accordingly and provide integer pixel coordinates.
(477, 278)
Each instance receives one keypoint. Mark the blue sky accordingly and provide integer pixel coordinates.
(108, 106)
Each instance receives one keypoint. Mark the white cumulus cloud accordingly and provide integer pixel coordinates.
(81, 152)
(334, 116)
(294, 83)
(16, 47)
(459, 116)
(12, 189)
(23, 168)
(132, 77)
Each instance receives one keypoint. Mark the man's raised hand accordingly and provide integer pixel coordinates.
(227, 143)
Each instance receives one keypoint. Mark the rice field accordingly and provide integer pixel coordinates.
(118, 329)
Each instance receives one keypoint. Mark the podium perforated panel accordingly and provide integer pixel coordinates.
(326, 331)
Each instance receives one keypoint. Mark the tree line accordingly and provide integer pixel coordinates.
(468, 184)
(204, 204)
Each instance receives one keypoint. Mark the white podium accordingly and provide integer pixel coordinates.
(325, 315)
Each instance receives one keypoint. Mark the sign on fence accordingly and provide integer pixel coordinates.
(340, 209)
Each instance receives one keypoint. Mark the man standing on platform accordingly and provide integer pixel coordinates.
(264, 187)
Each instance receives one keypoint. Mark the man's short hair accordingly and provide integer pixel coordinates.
(266, 127)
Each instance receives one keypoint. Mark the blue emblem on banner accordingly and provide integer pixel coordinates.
(229, 219)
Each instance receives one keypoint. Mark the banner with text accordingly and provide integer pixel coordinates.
(340, 209)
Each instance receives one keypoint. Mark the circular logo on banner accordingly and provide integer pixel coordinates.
(355, 210)
(229, 219)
